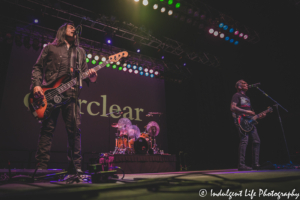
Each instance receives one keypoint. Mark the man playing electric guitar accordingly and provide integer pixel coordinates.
(240, 104)
(52, 64)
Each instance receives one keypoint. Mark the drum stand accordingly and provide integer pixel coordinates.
(120, 150)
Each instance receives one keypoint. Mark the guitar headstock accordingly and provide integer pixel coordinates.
(118, 56)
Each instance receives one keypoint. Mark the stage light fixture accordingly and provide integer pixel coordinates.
(94, 62)
(190, 11)
(44, 45)
(155, 6)
(152, 75)
(146, 69)
(163, 9)
(222, 35)
(231, 40)
(170, 12)
(134, 67)
(124, 69)
(196, 14)
(138, 50)
(163, 57)
(184, 64)
(89, 55)
(141, 73)
(103, 59)
(36, 21)
(221, 25)
(145, 2)
(245, 37)
(189, 20)
(202, 17)
(107, 65)
(170, 2)
(216, 33)
(125, 64)
(146, 74)
(236, 32)
(236, 42)
(96, 57)
(231, 30)
(226, 38)
(114, 66)
(241, 34)
(225, 27)
(120, 68)
(211, 31)
(111, 62)
(136, 0)
(156, 73)
(108, 41)
(130, 70)
(87, 60)
(136, 71)
(118, 63)
(100, 63)
(177, 5)
(151, 71)
(128, 65)
(176, 15)
(140, 68)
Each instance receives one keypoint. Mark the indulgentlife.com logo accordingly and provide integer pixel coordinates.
(250, 193)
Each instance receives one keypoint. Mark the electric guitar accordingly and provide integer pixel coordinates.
(41, 108)
(246, 123)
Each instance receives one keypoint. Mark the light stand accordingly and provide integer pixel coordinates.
(276, 105)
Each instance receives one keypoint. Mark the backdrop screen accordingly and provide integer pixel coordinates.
(133, 94)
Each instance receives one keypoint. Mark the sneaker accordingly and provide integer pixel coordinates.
(244, 168)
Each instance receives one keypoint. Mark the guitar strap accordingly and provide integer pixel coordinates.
(73, 61)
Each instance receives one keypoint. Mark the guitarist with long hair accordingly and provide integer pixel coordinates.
(53, 64)
(240, 105)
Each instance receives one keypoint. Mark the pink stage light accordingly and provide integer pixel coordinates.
(136, 71)
(146, 70)
(156, 73)
(241, 34)
(151, 71)
(245, 37)
(236, 32)
(124, 69)
(130, 70)
(222, 35)
(211, 31)
(216, 33)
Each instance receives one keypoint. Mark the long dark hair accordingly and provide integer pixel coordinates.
(61, 34)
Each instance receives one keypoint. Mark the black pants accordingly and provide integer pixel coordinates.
(74, 139)
(244, 138)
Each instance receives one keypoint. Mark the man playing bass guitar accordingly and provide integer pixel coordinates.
(240, 105)
(54, 63)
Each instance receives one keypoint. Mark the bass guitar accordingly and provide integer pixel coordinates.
(41, 108)
(246, 123)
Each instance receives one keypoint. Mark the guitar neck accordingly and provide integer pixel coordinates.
(64, 87)
(258, 115)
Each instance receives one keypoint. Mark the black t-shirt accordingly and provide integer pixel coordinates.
(242, 101)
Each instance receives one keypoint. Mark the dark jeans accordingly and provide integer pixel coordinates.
(244, 137)
(74, 139)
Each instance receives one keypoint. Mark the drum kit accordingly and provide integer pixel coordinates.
(129, 139)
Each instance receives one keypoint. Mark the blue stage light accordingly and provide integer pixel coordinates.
(134, 67)
(141, 73)
(231, 40)
(221, 25)
(225, 27)
(226, 38)
(128, 65)
(146, 74)
(152, 75)
(231, 30)
(236, 42)
(140, 68)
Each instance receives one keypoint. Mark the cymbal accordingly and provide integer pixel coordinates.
(124, 124)
(153, 128)
(134, 132)
(115, 125)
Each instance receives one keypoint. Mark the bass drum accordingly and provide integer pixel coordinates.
(141, 146)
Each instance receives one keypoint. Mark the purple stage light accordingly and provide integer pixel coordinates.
(163, 57)
(108, 41)
(36, 21)
(184, 64)
(211, 31)
(138, 50)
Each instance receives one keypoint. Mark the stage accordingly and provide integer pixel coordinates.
(169, 185)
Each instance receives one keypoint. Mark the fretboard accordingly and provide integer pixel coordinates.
(64, 87)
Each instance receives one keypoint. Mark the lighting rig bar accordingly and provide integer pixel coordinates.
(123, 30)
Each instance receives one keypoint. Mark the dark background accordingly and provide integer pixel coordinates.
(198, 117)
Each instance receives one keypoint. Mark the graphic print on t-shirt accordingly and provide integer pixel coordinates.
(245, 102)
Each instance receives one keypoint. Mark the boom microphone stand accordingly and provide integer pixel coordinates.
(276, 105)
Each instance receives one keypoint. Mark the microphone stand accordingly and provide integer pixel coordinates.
(276, 105)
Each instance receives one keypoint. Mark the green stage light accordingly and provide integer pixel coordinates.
(177, 5)
(120, 68)
(100, 62)
(161, 0)
(87, 60)
(94, 62)
(107, 65)
(114, 66)
(170, 2)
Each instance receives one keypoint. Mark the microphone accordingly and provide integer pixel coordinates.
(253, 85)
(119, 112)
(78, 29)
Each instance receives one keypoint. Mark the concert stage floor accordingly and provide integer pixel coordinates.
(170, 185)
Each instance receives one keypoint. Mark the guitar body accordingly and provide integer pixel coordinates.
(42, 108)
(246, 123)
